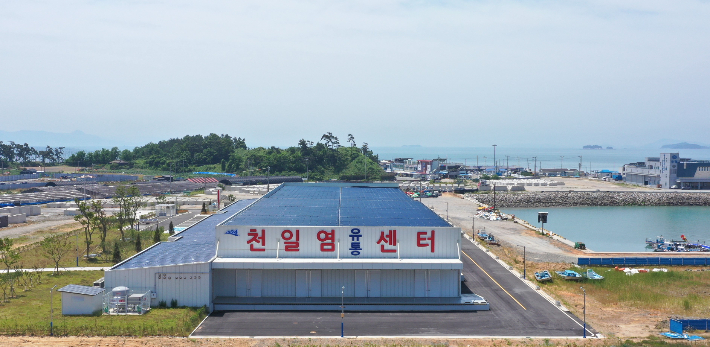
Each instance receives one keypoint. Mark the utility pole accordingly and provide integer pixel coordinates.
(535, 167)
(580, 165)
(495, 163)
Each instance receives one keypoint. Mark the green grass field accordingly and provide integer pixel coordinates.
(677, 292)
(28, 314)
(32, 255)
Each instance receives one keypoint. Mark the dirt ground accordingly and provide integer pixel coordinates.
(586, 184)
(37, 230)
(243, 342)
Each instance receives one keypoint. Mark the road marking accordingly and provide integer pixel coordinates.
(496, 282)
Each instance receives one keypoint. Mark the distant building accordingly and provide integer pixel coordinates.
(669, 171)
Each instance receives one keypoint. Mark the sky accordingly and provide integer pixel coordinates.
(392, 73)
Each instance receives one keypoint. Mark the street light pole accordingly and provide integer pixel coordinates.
(585, 313)
(525, 275)
(51, 311)
(342, 312)
(580, 165)
(306, 169)
(447, 211)
(535, 167)
(268, 170)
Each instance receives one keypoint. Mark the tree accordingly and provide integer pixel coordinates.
(86, 218)
(156, 235)
(139, 247)
(204, 208)
(125, 199)
(8, 256)
(171, 228)
(102, 221)
(116, 253)
(55, 248)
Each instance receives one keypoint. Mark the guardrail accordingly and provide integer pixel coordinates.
(636, 261)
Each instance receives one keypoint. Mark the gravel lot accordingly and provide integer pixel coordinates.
(538, 248)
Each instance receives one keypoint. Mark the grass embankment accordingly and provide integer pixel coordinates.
(29, 314)
(620, 303)
(32, 255)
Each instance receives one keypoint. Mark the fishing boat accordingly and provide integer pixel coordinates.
(570, 275)
(488, 238)
(660, 244)
(543, 276)
(592, 275)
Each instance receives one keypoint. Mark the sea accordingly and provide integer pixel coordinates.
(603, 229)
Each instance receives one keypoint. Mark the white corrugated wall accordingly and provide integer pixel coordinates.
(189, 284)
(329, 283)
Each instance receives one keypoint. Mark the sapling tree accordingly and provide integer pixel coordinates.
(86, 218)
(8, 255)
(55, 248)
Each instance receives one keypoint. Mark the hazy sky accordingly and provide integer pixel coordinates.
(434, 73)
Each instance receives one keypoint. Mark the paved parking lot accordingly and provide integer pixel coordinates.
(516, 311)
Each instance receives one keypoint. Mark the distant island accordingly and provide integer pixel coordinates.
(685, 145)
(595, 147)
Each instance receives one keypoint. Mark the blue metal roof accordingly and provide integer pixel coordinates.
(307, 204)
(197, 245)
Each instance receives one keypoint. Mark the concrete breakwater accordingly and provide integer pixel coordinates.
(563, 199)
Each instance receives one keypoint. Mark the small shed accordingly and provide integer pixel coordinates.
(81, 300)
(165, 210)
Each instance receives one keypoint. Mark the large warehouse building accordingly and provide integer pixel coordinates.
(308, 246)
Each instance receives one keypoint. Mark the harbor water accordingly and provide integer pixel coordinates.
(622, 228)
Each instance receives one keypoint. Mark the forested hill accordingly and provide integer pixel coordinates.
(323, 159)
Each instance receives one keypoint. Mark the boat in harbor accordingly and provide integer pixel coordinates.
(592, 275)
(543, 276)
(570, 275)
(660, 244)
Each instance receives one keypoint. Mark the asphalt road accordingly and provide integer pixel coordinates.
(516, 311)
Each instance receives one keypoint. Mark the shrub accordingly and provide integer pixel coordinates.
(173, 303)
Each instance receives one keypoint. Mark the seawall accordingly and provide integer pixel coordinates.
(563, 199)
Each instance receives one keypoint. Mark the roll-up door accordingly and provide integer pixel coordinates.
(361, 284)
(334, 280)
(315, 284)
(248, 283)
(224, 282)
(420, 283)
(373, 284)
(242, 283)
(302, 283)
(434, 287)
(279, 283)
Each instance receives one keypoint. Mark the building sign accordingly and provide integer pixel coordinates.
(338, 242)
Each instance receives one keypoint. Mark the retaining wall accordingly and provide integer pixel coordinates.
(636, 261)
(562, 199)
